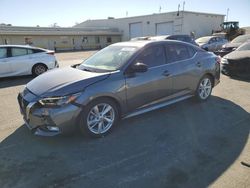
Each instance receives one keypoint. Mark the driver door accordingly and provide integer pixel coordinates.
(143, 88)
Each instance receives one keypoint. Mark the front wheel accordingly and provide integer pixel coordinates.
(99, 118)
(204, 88)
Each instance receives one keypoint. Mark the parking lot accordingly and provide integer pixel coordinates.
(187, 144)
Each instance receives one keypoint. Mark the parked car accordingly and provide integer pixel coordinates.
(211, 43)
(120, 81)
(234, 44)
(17, 60)
(237, 62)
(184, 38)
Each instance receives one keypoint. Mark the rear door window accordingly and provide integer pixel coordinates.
(178, 52)
(3, 53)
(18, 51)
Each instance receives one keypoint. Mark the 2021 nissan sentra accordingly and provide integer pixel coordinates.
(17, 60)
(122, 80)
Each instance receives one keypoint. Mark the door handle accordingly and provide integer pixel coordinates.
(166, 73)
(198, 64)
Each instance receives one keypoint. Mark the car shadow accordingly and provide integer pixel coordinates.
(14, 81)
(188, 144)
(244, 78)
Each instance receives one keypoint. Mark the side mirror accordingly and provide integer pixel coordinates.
(76, 65)
(139, 67)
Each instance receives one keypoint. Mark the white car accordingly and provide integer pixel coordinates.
(17, 60)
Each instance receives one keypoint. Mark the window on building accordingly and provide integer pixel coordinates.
(109, 39)
(97, 39)
(28, 40)
(3, 53)
(85, 39)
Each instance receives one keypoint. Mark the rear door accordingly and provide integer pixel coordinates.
(155, 83)
(5, 68)
(187, 69)
(20, 60)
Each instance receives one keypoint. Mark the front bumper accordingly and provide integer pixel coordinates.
(48, 121)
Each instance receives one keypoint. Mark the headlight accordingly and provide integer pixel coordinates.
(224, 61)
(59, 101)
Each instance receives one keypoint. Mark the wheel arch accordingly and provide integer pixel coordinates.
(112, 98)
(211, 76)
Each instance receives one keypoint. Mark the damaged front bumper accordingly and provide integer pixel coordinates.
(48, 121)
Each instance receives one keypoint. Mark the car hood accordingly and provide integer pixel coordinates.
(237, 55)
(201, 43)
(65, 81)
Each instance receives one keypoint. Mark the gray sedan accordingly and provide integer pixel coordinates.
(120, 81)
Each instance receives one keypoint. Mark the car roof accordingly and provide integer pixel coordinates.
(142, 43)
(21, 46)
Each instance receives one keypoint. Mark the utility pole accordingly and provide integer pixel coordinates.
(227, 14)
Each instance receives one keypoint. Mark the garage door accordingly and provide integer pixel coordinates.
(165, 28)
(135, 30)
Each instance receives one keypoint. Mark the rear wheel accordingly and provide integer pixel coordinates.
(39, 69)
(204, 88)
(99, 118)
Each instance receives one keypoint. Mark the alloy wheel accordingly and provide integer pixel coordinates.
(100, 118)
(39, 69)
(205, 88)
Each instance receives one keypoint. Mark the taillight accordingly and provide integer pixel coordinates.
(50, 53)
(218, 59)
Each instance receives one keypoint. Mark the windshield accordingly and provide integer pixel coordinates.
(241, 39)
(244, 47)
(203, 40)
(109, 59)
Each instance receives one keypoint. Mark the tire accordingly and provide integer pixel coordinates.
(39, 69)
(99, 118)
(204, 88)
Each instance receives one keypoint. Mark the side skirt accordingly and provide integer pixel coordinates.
(156, 106)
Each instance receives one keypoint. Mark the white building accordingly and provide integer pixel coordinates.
(183, 22)
(60, 38)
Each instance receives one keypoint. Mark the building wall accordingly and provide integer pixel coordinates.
(201, 24)
(184, 23)
(62, 42)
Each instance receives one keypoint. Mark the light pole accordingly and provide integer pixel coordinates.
(227, 14)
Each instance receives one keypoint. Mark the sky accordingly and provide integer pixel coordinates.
(66, 13)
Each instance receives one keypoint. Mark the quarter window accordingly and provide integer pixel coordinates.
(3, 53)
(152, 56)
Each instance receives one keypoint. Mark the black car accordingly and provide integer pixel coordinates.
(237, 63)
(231, 46)
(183, 38)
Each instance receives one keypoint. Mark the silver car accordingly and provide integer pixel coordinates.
(17, 60)
(211, 43)
(120, 81)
